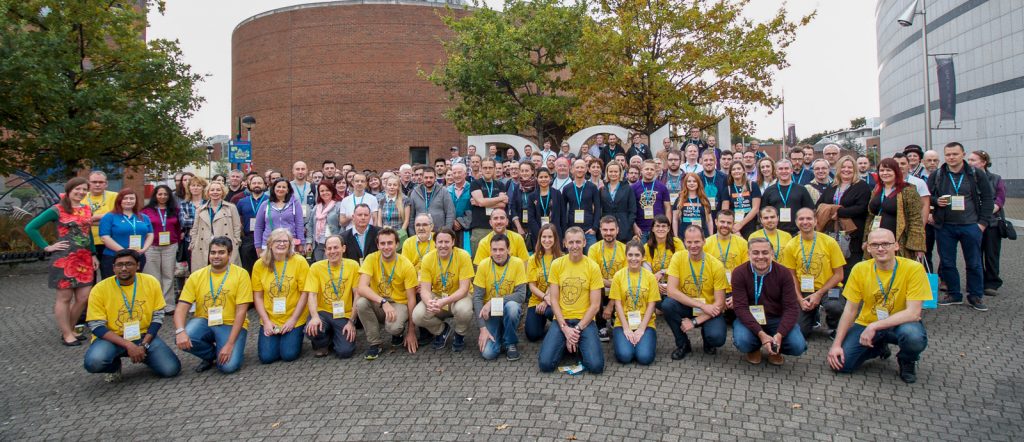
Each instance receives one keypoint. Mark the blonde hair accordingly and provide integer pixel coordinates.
(196, 180)
(206, 191)
(839, 165)
(267, 258)
(399, 200)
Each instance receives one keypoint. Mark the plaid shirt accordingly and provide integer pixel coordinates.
(390, 215)
(186, 217)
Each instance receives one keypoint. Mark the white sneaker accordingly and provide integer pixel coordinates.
(113, 377)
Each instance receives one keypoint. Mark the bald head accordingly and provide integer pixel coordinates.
(299, 171)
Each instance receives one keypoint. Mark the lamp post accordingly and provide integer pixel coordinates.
(906, 19)
(209, 161)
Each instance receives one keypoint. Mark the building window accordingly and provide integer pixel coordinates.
(418, 154)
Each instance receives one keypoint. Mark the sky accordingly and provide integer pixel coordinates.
(832, 77)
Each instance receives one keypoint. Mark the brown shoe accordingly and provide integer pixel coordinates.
(754, 357)
(776, 359)
(320, 352)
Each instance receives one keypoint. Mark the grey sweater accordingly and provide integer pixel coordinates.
(441, 208)
(518, 295)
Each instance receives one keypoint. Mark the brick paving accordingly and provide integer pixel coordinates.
(969, 388)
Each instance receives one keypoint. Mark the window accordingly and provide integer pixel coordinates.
(418, 154)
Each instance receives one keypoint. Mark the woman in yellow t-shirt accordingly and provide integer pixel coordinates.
(634, 291)
(538, 312)
(277, 280)
(661, 245)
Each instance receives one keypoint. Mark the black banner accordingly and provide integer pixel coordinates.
(947, 88)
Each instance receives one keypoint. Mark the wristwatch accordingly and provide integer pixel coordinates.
(179, 331)
(693, 321)
(145, 345)
(382, 302)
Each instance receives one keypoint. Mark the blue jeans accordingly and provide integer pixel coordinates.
(207, 342)
(104, 356)
(712, 331)
(332, 337)
(502, 329)
(643, 352)
(968, 236)
(535, 323)
(793, 344)
(591, 240)
(553, 347)
(911, 338)
(286, 347)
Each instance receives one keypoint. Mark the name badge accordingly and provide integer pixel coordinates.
(648, 212)
(877, 222)
(497, 306)
(711, 201)
(279, 305)
(135, 242)
(131, 331)
(305, 211)
(165, 238)
(728, 276)
(578, 216)
(834, 293)
(697, 312)
(758, 312)
(215, 316)
(488, 210)
(881, 313)
(738, 216)
(338, 309)
(807, 283)
(545, 220)
(785, 214)
(696, 222)
(957, 202)
(252, 224)
(673, 196)
(634, 318)
(526, 216)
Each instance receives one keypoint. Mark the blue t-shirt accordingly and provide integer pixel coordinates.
(122, 227)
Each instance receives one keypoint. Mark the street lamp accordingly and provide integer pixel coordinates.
(906, 19)
(248, 122)
(209, 161)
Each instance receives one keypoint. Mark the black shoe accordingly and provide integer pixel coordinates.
(884, 352)
(442, 339)
(203, 366)
(604, 335)
(832, 335)
(459, 343)
(991, 292)
(396, 341)
(708, 350)
(81, 338)
(949, 300)
(908, 371)
(681, 353)
(373, 352)
(976, 303)
(513, 353)
(424, 336)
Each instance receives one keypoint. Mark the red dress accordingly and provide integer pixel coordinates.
(72, 268)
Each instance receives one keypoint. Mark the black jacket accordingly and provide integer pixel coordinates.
(623, 208)
(555, 205)
(939, 184)
(352, 246)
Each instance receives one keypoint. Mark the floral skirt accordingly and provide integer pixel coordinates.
(71, 269)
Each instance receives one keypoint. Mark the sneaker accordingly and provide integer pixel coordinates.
(113, 377)
(680, 353)
(604, 335)
(513, 353)
(372, 353)
(908, 371)
(203, 366)
(884, 352)
(79, 329)
(396, 341)
(754, 357)
(976, 303)
(776, 359)
(949, 300)
(424, 336)
(832, 335)
(991, 292)
(710, 350)
(459, 343)
(442, 339)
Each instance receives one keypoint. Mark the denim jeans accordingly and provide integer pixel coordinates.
(535, 323)
(104, 356)
(589, 346)
(502, 329)
(208, 340)
(793, 344)
(911, 338)
(833, 307)
(591, 240)
(332, 337)
(643, 352)
(968, 236)
(712, 331)
(286, 347)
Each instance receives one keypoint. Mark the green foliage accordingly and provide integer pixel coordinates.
(82, 88)
(505, 72)
(815, 138)
(858, 122)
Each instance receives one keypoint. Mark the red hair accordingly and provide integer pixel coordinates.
(120, 197)
(894, 166)
(330, 186)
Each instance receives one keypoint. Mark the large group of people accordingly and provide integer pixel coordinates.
(580, 247)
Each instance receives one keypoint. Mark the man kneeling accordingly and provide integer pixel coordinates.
(764, 298)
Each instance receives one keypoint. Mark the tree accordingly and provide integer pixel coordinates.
(505, 72)
(858, 122)
(645, 63)
(82, 88)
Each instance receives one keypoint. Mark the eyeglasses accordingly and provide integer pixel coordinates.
(881, 245)
(124, 265)
(281, 241)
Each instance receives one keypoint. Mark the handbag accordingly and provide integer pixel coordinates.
(1006, 229)
(933, 283)
(842, 238)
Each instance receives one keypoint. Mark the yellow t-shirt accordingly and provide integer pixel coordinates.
(507, 277)
(414, 251)
(517, 248)
(575, 280)
(661, 257)
(730, 253)
(779, 239)
(231, 287)
(910, 283)
(323, 280)
(458, 267)
(609, 260)
(823, 255)
(624, 288)
(689, 272)
(538, 271)
(100, 205)
(390, 280)
(109, 302)
(292, 281)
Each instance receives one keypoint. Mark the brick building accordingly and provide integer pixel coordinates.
(339, 80)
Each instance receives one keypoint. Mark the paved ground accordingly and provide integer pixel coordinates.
(969, 388)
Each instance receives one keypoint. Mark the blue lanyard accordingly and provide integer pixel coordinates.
(705, 179)
(674, 184)
(497, 284)
(607, 268)
(806, 257)
(382, 270)
(545, 202)
(444, 272)
(215, 295)
(131, 221)
(135, 289)
(361, 198)
(697, 282)
(330, 276)
(785, 199)
(956, 185)
(799, 176)
(544, 269)
(361, 242)
(839, 193)
(759, 282)
(882, 198)
(418, 249)
(723, 258)
(644, 187)
(163, 218)
(579, 195)
(490, 188)
(778, 242)
(739, 195)
(279, 279)
(634, 293)
(212, 213)
(254, 203)
(892, 278)
(612, 192)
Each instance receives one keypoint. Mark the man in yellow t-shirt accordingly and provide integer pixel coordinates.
(329, 287)
(417, 246)
(101, 201)
(221, 293)
(696, 296)
(575, 282)
(445, 275)
(727, 248)
(125, 314)
(499, 292)
(610, 255)
(387, 292)
(499, 225)
(817, 264)
(770, 221)
(634, 294)
(277, 282)
(888, 292)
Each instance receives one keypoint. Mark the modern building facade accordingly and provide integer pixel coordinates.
(987, 37)
(340, 80)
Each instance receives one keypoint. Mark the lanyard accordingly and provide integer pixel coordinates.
(544, 269)
(279, 279)
(131, 221)
(664, 255)
(698, 282)
(707, 183)
(212, 213)
(444, 272)
(634, 293)
(490, 188)
(806, 257)
(215, 295)
(497, 284)
(785, 199)
(424, 251)
(102, 203)
(254, 203)
(330, 277)
(892, 278)
(778, 242)
(739, 194)
(644, 187)
(724, 258)
(956, 185)
(389, 210)
(799, 176)
(382, 271)
(674, 184)
(839, 193)
(163, 218)
(579, 194)
(361, 242)
(302, 191)
(612, 192)
(882, 199)
(135, 289)
(545, 202)
(759, 282)
(607, 268)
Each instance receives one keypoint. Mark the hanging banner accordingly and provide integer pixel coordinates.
(947, 88)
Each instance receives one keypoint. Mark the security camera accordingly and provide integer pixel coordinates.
(907, 17)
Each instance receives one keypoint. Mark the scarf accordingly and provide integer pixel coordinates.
(321, 215)
(528, 185)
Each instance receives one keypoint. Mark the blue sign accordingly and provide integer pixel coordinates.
(239, 151)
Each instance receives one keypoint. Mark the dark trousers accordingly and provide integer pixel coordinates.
(929, 240)
(247, 253)
(991, 247)
(968, 238)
